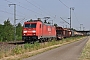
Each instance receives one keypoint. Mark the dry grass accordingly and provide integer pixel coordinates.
(86, 52)
(29, 50)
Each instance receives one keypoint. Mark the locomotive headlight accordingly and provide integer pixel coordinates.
(24, 34)
(24, 31)
(33, 31)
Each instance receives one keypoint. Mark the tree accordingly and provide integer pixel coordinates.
(7, 22)
(19, 31)
(30, 20)
(1, 32)
(8, 31)
(55, 25)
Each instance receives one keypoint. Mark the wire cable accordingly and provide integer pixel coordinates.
(76, 16)
(24, 7)
(38, 8)
(6, 12)
(64, 4)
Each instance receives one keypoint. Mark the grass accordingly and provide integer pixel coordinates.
(35, 48)
(85, 55)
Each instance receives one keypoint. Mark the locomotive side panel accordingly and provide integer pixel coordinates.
(49, 31)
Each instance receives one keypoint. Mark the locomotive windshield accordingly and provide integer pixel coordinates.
(30, 25)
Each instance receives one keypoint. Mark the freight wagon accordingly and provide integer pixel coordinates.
(67, 32)
(59, 33)
(63, 32)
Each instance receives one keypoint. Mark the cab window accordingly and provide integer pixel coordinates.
(30, 25)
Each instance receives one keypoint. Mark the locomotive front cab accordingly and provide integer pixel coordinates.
(32, 31)
(29, 31)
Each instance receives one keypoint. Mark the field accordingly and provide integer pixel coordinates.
(28, 50)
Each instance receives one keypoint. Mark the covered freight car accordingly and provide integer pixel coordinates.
(63, 32)
(37, 30)
(67, 32)
(59, 33)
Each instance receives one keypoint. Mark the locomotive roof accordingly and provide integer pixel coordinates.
(39, 21)
(34, 21)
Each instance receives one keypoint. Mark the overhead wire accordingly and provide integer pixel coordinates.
(10, 13)
(69, 8)
(32, 4)
(24, 7)
(6, 12)
(19, 12)
(64, 4)
(38, 8)
(29, 9)
(28, 6)
(76, 16)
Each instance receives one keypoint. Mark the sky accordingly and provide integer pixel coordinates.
(33, 9)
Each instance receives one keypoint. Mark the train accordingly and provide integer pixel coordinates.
(36, 30)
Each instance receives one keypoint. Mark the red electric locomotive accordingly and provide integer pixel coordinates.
(37, 30)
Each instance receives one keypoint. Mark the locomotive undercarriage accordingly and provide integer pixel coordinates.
(32, 39)
(29, 38)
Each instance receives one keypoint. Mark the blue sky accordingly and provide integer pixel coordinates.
(33, 9)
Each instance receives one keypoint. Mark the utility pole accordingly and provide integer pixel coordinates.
(14, 20)
(70, 16)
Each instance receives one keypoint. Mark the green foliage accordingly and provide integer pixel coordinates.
(17, 50)
(28, 46)
(19, 31)
(55, 25)
(34, 46)
(30, 20)
(7, 31)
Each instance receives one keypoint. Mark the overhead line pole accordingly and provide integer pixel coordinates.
(70, 16)
(14, 20)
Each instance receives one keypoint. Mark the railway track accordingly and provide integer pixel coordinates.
(7, 46)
